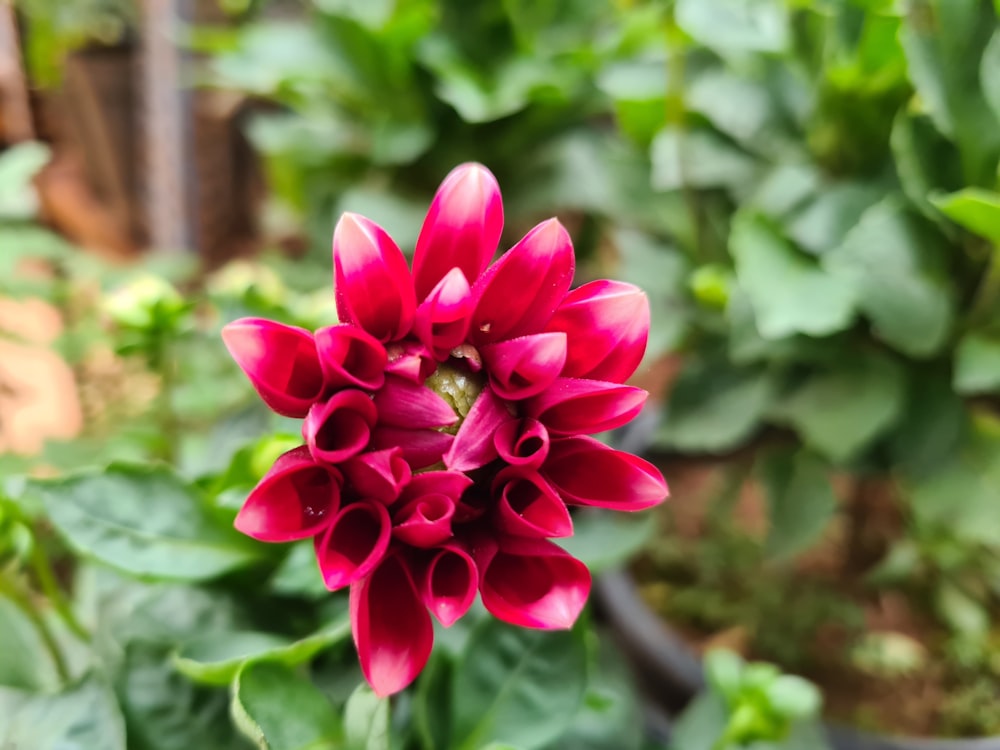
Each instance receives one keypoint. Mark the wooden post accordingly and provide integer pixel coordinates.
(15, 106)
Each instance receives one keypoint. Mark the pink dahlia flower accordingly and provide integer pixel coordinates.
(445, 422)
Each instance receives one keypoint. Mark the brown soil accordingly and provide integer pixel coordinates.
(906, 705)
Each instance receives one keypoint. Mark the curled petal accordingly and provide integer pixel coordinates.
(442, 320)
(531, 582)
(280, 361)
(392, 629)
(425, 522)
(340, 427)
(371, 279)
(523, 442)
(606, 325)
(573, 406)
(525, 366)
(451, 484)
(420, 448)
(403, 403)
(294, 500)
(473, 446)
(518, 294)
(378, 475)
(587, 472)
(410, 360)
(449, 584)
(529, 506)
(350, 357)
(354, 544)
(461, 230)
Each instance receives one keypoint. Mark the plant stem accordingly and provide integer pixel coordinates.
(50, 587)
(22, 600)
(160, 361)
(986, 295)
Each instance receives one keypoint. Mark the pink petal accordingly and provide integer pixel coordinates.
(529, 506)
(523, 442)
(371, 279)
(392, 629)
(378, 475)
(340, 427)
(606, 324)
(518, 294)
(449, 584)
(461, 230)
(531, 582)
(402, 403)
(586, 472)
(294, 500)
(420, 448)
(354, 544)
(525, 366)
(473, 446)
(451, 484)
(410, 360)
(442, 320)
(350, 357)
(573, 406)
(425, 522)
(280, 361)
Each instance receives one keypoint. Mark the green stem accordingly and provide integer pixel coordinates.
(985, 299)
(160, 361)
(50, 587)
(22, 600)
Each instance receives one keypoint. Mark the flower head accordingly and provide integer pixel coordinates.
(445, 424)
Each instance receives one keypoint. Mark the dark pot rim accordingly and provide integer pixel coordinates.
(673, 671)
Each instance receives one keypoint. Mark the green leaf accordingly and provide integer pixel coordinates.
(962, 612)
(840, 411)
(800, 502)
(960, 496)
(738, 107)
(789, 293)
(371, 13)
(714, 407)
(215, 658)
(822, 223)
(518, 686)
(605, 539)
(975, 209)
(366, 720)
(18, 166)
(144, 521)
(702, 723)
(933, 423)
(432, 701)
(794, 698)
(989, 73)
(298, 574)
(24, 661)
(925, 161)
(280, 709)
(735, 27)
(977, 364)
(83, 717)
(698, 158)
(897, 267)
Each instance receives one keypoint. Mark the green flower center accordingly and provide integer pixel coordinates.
(459, 386)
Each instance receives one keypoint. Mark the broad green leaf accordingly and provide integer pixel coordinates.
(698, 158)
(822, 223)
(432, 701)
(280, 709)
(925, 161)
(977, 364)
(366, 721)
(166, 711)
(144, 521)
(604, 540)
(24, 662)
(518, 686)
(800, 502)
(933, 422)
(989, 73)
(842, 410)
(298, 574)
(788, 291)
(975, 209)
(635, 80)
(371, 13)
(736, 106)
(714, 407)
(702, 723)
(962, 612)
(82, 717)
(18, 166)
(960, 496)
(735, 27)
(896, 264)
(215, 658)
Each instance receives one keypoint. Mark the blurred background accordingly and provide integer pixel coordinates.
(806, 189)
